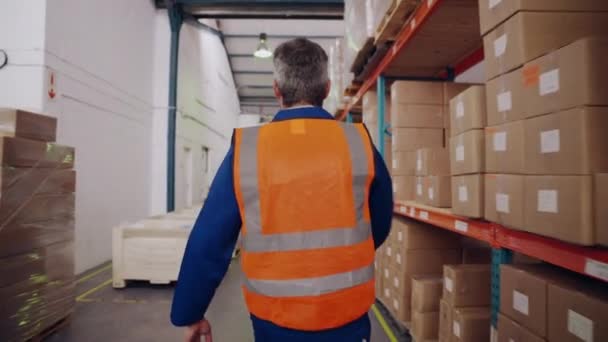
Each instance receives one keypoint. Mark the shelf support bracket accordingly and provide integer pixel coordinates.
(499, 256)
(176, 19)
(349, 118)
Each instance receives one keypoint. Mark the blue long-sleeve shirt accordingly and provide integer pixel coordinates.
(214, 236)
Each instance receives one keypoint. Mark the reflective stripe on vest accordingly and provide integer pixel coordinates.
(255, 241)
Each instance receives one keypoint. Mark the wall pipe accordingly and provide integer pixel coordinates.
(176, 20)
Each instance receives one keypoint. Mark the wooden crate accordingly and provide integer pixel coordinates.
(149, 250)
(396, 16)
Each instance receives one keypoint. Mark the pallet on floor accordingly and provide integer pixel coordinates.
(396, 16)
(60, 324)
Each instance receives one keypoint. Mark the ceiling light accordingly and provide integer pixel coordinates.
(262, 51)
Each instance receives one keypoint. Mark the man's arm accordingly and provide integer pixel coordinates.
(381, 201)
(209, 249)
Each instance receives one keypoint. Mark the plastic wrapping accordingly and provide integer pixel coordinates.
(335, 99)
(359, 27)
(36, 226)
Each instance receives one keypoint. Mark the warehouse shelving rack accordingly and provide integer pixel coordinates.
(440, 41)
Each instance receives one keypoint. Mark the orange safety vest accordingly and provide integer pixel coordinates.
(302, 188)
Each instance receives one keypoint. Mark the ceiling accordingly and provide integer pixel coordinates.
(253, 76)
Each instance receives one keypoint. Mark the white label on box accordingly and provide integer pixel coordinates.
(424, 215)
(456, 329)
(402, 210)
(580, 326)
(412, 211)
(520, 302)
(502, 203)
(419, 163)
(400, 234)
(389, 251)
(394, 187)
(549, 82)
(460, 153)
(459, 109)
(493, 3)
(449, 284)
(387, 293)
(500, 45)
(461, 226)
(396, 282)
(386, 274)
(547, 201)
(431, 193)
(463, 194)
(504, 101)
(549, 141)
(500, 141)
(395, 304)
(398, 257)
(597, 269)
(395, 164)
(419, 189)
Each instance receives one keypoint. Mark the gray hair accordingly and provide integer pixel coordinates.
(300, 70)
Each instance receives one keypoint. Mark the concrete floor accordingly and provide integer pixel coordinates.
(141, 312)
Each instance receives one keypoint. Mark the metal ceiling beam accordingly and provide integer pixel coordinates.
(269, 9)
(278, 36)
(252, 72)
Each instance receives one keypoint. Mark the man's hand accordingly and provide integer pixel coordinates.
(198, 330)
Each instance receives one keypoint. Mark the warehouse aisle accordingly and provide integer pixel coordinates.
(141, 312)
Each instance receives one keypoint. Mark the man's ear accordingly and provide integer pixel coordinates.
(277, 92)
(327, 88)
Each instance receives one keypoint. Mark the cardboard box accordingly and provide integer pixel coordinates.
(467, 195)
(425, 326)
(601, 216)
(494, 12)
(509, 330)
(569, 142)
(411, 139)
(450, 90)
(505, 98)
(477, 255)
(505, 148)
(560, 207)
(370, 108)
(467, 285)
(20, 152)
(445, 321)
(471, 324)
(567, 78)
(578, 311)
(403, 188)
(412, 234)
(425, 262)
(432, 161)
(438, 191)
(468, 110)
(426, 293)
(420, 189)
(417, 92)
(505, 200)
(404, 163)
(467, 152)
(417, 115)
(23, 124)
(528, 35)
(524, 293)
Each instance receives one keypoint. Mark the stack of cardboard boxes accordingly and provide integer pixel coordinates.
(464, 309)
(546, 153)
(426, 294)
(420, 120)
(542, 303)
(433, 181)
(36, 225)
(370, 119)
(413, 249)
(467, 154)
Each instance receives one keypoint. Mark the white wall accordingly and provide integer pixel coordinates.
(111, 58)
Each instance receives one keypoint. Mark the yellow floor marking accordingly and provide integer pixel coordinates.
(387, 330)
(91, 275)
(82, 297)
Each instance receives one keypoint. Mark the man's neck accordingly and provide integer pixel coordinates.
(298, 105)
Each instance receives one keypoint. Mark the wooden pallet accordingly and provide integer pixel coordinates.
(352, 89)
(362, 55)
(60, 324)
(396, 16)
